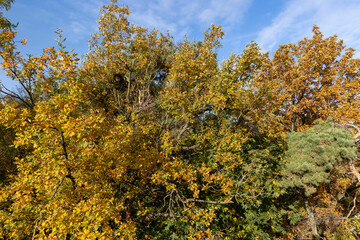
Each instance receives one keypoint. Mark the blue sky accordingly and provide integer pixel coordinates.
(267, 22)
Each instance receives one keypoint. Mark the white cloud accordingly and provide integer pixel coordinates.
(296, 20)
(78, 28)
(225, 11)
(149, 18)
(81, 18)
(188, 16)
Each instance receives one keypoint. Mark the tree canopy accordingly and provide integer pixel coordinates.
(147, 138)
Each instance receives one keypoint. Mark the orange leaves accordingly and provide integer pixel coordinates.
(24, 41)
(146, 139)
(213, 35)
(309, 80)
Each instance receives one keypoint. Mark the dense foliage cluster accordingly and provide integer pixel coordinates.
(145, 138)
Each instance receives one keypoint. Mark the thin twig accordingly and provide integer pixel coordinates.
(209, 202)
(357, 135)
(57, 187)
(352, 209)
(189, 148)
(14, 95)
(185, 127)
(36, 225)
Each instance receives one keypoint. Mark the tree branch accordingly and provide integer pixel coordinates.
(23, 85)
(14, 95)
(209, 202)
(189, 148)
(36, 225)
(185, 127)
(69, 175)
(144, 108)
(353, 169)
(57, 187)
(354, 206)
(152, 215)
(357, 135)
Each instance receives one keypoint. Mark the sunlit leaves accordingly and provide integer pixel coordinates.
(148, 139)
(309, 81)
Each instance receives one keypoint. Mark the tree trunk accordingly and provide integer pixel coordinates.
(312, 220)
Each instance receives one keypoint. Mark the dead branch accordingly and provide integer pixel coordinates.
(354, 206)
(353, 170)
(357, 135)
(209, 202)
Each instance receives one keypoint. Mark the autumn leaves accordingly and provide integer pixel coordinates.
(149, 139)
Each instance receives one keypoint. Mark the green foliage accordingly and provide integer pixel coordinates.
(313, 153)
(348, 230)
(5, 22)
(7, 154)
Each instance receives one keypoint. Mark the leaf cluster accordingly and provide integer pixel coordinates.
(145, 138)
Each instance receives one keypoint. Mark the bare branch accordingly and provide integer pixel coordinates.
(209, 202)
(36, 225)
(57, 187)
(144, 108)
(14, 95)
(23, 85)
(65, 153)
(152, 215)
(353, 169)
(189, 148)
(185, 127)
(63, 144)
(357, 135)
(354, 206)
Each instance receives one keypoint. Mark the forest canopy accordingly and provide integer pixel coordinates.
(147, 138)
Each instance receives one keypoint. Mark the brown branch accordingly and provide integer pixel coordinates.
(57, 187)
(144, 108)
(357, 135)
(14, 95)
(38, 166)
(189, 148)
(36, 225)
(65, 153)
(71, 177)
(185, 127)
(152, 215)
(354, 206)
(63, 144)
(353, 169)
(23, 85)
(209, 202)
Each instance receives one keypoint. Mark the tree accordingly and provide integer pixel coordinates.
(5, 22)
(311, 157)
(316, 78)
(126, 65)
(148, 139)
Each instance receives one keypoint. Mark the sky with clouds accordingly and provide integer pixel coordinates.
(268, 23)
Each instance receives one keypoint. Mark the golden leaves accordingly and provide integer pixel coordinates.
(24, 41)
(145, 137)
(309, 81)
